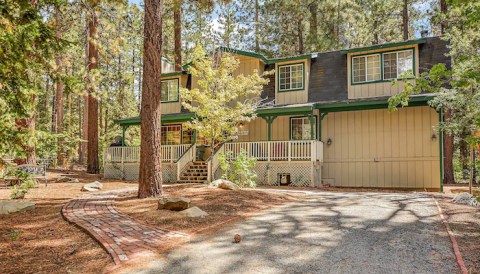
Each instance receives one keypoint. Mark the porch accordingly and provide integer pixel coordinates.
(294, 162)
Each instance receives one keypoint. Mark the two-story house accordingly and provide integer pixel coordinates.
(328, 122)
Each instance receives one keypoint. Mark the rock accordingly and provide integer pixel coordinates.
(216, 183)
(466, 199)
(64, 179)
(228, 185)
(193, 212)
(7, 206)
(94, 186)
(175, 204)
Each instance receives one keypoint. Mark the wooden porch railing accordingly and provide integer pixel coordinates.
(170, 153)
(304, 150)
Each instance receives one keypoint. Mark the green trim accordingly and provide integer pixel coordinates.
(167, 118)
(269, 120)
(293, 58)
(322, 115)
(244, 53)
(381, 80)
(176, 73)
(440, 141)
(278, 77)
(384, 46)
(282, 111)
(124, 129)
(178, 91)
(368, 104)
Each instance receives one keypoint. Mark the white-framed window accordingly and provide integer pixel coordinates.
(290, 77)
(397, 63)
(300, 128)
(366, 68)
(170, 90)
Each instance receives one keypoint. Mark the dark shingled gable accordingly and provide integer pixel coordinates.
(269, 89)
(328, 77)
(433, 52)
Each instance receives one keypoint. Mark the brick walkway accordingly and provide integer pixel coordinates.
(121, 236)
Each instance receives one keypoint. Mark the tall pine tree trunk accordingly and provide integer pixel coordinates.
(405, 19)
(93, 165)
(177, 17)
(257, 35)
(448, 148)
(150, 179)
(301, 48)
(59, 94)
(313, 31)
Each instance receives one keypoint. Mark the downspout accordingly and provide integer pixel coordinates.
(440, 139)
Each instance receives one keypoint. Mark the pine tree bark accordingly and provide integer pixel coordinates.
(448, 171)
(301, 49)
(313, 31)
(177, 18)
(405, 19)
(150, 179)
(93, 165)
(443, 10)
(257, 35)
(59, 92)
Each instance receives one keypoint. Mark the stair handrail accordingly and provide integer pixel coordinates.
(184, 159)
(213, 162)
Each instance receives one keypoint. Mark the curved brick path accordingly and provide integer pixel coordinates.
(119, 234)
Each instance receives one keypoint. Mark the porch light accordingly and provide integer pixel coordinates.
(434, 137)
(329, 141)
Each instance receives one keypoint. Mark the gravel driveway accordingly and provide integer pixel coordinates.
(327, 232)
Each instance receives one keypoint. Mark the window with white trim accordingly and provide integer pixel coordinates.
(301, 128)
(396, 64)
(290, 77)
(170, 90)
(366, 68)
(171, 134)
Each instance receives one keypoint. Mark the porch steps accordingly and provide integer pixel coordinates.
(197, 172)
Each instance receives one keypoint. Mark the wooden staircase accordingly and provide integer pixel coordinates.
(197, 172)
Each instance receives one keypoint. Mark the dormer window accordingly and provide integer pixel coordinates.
(366, 68)
(382, 67)
(396, 64)
(169, 90)
(291, 77)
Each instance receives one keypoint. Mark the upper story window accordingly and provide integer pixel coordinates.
(395, 64)
(170, 90)
(290, 77)
(368, 68)
(301, 128)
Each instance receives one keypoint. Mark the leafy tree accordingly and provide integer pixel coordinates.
(222, 99)
(240, 171)
(458, 89)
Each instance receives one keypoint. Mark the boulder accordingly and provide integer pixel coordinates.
(466, 199)
(228, 185)
(94, 186)
(175, 204)
(64, 179)
(193, 212)
(7, 206)
(224, 184)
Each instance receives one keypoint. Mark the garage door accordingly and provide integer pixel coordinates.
(375, 148)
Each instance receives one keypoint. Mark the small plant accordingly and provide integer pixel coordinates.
(14, 234)
(240, 171)
(18, 192)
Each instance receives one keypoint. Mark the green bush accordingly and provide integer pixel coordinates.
(240, 171)
(18, 192)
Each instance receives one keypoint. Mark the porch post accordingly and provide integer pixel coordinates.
(124, 128)
(322, 115)
(269, 120)
(312, 126)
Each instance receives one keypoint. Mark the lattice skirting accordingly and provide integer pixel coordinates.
(301, 173)
(130, 172)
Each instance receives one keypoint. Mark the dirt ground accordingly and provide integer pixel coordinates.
(464, 221)
(40, 241)
(223, 206)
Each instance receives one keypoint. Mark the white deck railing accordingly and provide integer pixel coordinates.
(170, 153)
(304, 150)
(214, 162)
(185, 159)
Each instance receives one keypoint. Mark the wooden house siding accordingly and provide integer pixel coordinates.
(375, 148)
(293, 97)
